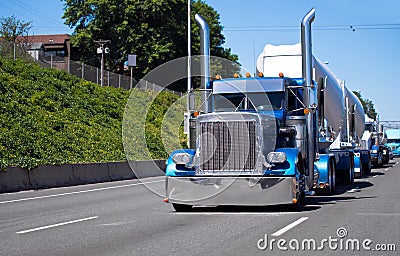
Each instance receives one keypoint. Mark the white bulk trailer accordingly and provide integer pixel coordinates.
(287, 59)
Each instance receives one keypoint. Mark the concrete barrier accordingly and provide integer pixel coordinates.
(14, 179)
(50, 176)
(90, 173)
(148, 168)
(162, 164)
(120, 171)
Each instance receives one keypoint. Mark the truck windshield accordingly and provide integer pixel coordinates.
(249, 101)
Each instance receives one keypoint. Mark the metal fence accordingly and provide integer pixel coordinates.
(92, 74)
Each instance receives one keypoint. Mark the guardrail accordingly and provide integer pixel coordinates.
(50, 176)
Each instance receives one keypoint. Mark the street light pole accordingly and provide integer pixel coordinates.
(102, 43)
(189, 46)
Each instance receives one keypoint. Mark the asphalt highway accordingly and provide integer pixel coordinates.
(126, 218)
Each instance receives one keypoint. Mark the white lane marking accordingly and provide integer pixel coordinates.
(56, 225)
(290, 226)
(353, 190)
(78, 192)
(235, 213)
(379, 214)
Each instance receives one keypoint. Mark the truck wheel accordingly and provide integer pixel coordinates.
(347, 177)
(360, 174)
(367, 167)
(352, 174)
(386, 159)
(382, 160)
(302, 198)
(333, 177)
(182, 207)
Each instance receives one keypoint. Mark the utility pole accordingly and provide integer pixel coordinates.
(102, 50)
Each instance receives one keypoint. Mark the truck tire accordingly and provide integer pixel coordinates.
(351, 172)
(386, 159)
(348, 176)
(332, 176)
(360, 174)
(382, 160)
(182, 207)
(367, 167)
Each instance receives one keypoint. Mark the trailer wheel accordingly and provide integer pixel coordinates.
(352, 174)
(380, 156)
(367, 166)
(348, 176)
(361, 173)
(182, 207)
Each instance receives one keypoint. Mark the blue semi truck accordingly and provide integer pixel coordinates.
(269, 139)
(393, 141)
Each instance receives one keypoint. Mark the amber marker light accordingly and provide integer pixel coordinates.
(217, 77)
(260, 74)
(294, 200)
(236, 75)
(196, 113)
(248, 74)
(306, 111)
(281, 75)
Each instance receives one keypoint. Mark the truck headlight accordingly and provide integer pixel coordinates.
(276, 157)
(182, 158)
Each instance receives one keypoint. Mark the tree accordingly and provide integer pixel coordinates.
(14, 36)
(367, 105)
(154, 30)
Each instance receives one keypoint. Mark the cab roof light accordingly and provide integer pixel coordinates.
(248, 74)
(217, 77)
(236, 75)
(260, 74)
(281, 75)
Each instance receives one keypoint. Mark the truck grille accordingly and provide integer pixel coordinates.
(228, 146)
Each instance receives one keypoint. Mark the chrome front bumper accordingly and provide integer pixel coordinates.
(231, 190)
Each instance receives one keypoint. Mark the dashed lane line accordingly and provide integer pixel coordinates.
(56, 225)
(289, 227)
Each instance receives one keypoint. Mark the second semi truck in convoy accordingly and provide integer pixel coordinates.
(393, 141)
(292, 130)
(374, 139)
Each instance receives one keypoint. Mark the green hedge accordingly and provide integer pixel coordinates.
(51, 117)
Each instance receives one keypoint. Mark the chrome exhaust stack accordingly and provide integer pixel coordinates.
(204, 60)
(307, 59)
(306, 50)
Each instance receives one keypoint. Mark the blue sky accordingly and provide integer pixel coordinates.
(367, 58)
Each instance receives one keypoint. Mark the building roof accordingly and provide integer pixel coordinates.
(49, 39)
